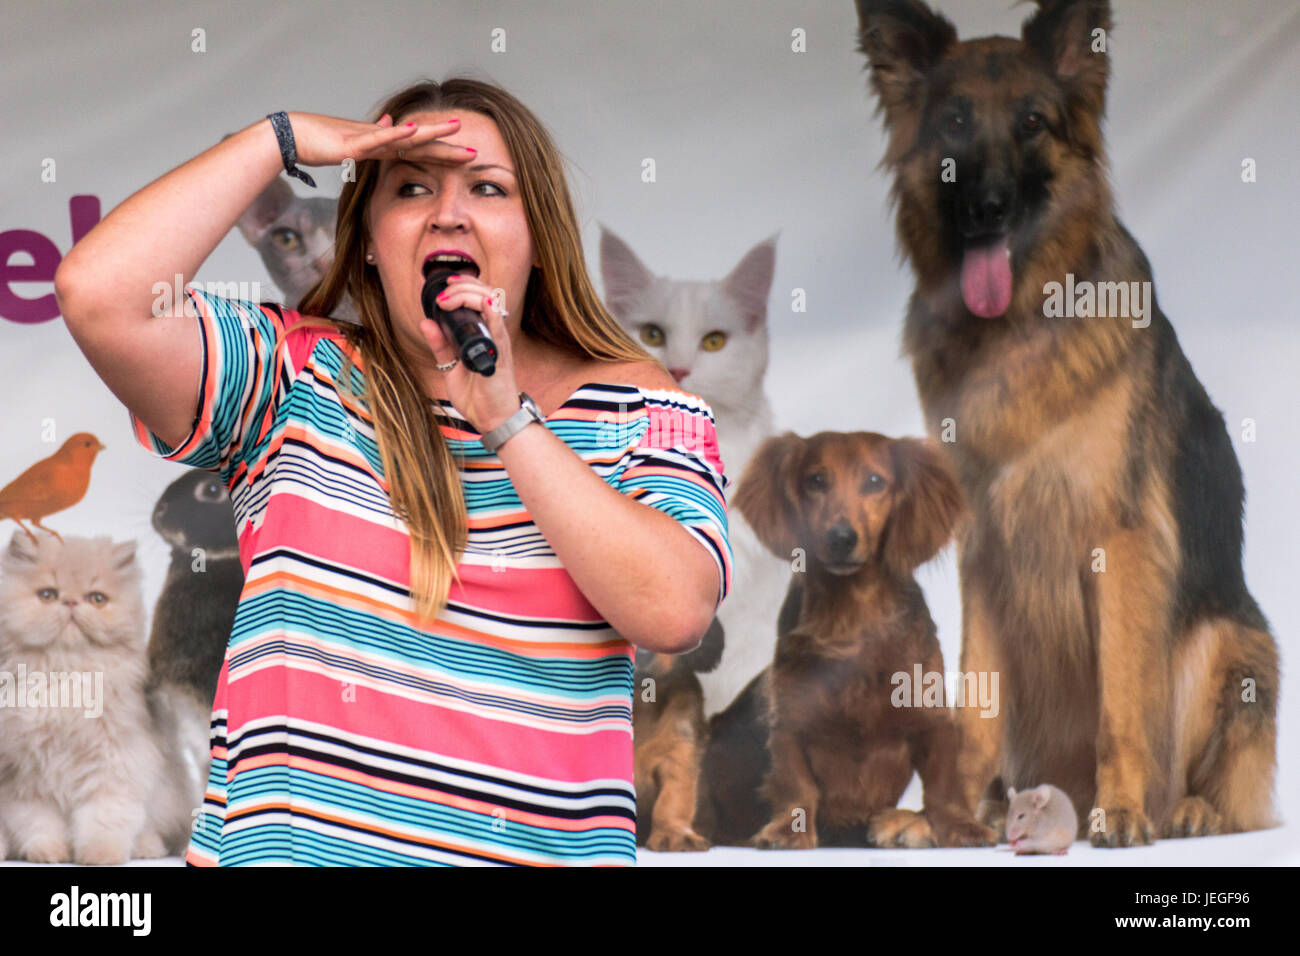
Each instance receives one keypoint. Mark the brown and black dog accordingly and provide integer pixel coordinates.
(670, 734)
(820, 746)
(1101, 571)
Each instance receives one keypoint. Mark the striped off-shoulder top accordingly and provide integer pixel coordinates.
(345, 733)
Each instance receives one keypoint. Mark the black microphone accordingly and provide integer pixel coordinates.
(464, 327)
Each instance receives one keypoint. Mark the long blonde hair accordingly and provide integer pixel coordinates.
(560, 308)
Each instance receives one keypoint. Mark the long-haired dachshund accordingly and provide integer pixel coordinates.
(856, 513)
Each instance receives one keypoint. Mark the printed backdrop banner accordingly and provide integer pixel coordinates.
(754, 120)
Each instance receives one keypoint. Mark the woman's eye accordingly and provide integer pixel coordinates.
(402, 190)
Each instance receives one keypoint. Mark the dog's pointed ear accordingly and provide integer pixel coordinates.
(1071, 38)
(902, 40)
(927, 505)
(766, 496)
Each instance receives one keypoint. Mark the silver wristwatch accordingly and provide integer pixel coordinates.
(514, 424)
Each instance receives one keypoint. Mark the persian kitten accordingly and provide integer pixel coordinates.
(82, 777)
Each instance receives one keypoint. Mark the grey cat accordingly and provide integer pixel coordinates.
(712, 336)
(82, 775)
(295, 238)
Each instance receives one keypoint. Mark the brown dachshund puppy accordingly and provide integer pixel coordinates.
(856, 513)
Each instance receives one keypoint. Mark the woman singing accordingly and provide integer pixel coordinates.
(446, 572)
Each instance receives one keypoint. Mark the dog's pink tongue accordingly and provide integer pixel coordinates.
(986, 279)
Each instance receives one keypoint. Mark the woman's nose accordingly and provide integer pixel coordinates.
(449, 211)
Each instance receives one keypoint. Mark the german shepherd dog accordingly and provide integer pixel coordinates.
(1100, 571)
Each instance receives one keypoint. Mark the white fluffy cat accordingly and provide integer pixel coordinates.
(712, 336)
(82, 778)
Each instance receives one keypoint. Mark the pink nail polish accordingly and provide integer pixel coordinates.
(410, 124)
(442, 295)
(474, 151)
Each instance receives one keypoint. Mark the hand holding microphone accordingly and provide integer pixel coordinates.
(488, 401)
(463, 327)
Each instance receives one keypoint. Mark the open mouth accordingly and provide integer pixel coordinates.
(454, 263)
(986, 278)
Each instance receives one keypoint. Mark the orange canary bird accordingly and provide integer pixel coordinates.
(52, 484)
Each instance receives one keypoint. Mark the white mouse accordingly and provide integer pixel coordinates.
(1041, 820)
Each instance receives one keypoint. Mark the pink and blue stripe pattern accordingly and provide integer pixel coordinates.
(344, 732)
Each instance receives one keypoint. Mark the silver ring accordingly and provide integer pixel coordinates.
(448, 367)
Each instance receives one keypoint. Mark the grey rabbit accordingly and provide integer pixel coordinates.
(192, 620)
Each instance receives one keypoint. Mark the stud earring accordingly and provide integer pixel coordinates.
(370, 257)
